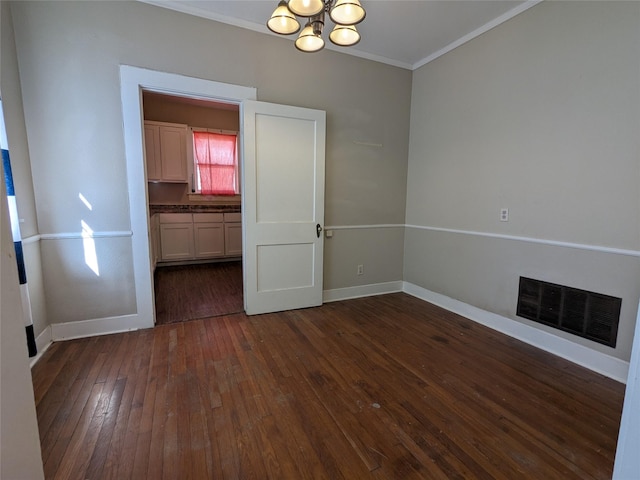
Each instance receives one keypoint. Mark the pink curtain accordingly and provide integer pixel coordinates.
(216, 162)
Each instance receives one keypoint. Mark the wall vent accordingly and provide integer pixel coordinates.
(587, 314)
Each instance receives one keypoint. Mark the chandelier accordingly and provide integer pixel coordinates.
(344, 13)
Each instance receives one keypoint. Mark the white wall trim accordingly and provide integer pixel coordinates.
(542, 241)
(627, 463)
(97, 326)
(359, 291)
(73, 235)
(593, 360)
(476, 33)
(43, 342)
(31, 239)
(360, 227)
(44, 339)
(81, 235)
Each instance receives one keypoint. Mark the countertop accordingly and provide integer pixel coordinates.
(153, 209)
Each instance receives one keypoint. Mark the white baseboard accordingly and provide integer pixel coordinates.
(44, 339)
(98, 326)
(598, 362)
(43, 342)
(347, 293)
(593, 360)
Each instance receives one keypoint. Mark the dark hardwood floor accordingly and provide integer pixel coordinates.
(384, 387)
(187, 292)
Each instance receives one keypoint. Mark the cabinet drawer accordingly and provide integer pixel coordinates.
(233, 217)
(175, 218)
(207, 217)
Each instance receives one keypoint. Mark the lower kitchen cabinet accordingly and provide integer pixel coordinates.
(198, 236)
(232, 234)
(208, 230)
(176, 236)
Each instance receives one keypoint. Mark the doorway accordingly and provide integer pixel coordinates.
(271, 236)
(133, 80)
(197, 264)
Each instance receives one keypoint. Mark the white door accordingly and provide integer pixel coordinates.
(283, 206)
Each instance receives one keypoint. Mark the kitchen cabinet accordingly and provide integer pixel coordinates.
(198, 236)
(176, 236)
(152, 151)
(232, 234)
(208, 230)
(166, 152)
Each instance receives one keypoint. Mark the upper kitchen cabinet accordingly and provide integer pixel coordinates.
(166, 151)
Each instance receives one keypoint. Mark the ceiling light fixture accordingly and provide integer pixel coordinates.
(346, 14)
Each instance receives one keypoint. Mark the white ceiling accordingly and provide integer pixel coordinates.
(403, 33)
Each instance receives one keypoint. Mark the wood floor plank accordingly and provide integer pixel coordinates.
(56, 445)
(121, 456)
(383, 387)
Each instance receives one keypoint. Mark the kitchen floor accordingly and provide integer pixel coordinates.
(188, 292)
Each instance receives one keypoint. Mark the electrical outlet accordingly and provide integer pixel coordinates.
(360, 269)
(504, 214)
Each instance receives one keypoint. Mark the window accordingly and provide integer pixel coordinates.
(215, 155)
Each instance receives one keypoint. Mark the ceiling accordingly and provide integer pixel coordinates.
(402, 33)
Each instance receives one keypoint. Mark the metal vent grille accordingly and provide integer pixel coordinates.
(587, 314)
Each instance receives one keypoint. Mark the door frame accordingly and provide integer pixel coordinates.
(132, 81)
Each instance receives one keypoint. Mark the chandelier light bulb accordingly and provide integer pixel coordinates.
(309, 41)
(306, 8)
(347, 12)
(282, 21)
(344, 35)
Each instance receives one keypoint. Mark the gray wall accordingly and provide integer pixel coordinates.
(69, 55)
(540, 115)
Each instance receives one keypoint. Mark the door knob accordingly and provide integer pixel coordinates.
(318, 230)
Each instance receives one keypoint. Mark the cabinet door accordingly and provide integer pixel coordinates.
(173, 153)
(209, 240)
(176, 241)
(152, 151)
(233, 239)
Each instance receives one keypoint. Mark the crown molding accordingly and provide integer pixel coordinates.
(190, 9)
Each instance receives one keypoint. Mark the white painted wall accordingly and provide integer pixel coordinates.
(21, 169)
(540, 115)
(20, 455)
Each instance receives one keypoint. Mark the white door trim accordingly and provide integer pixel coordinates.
(132, 81)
